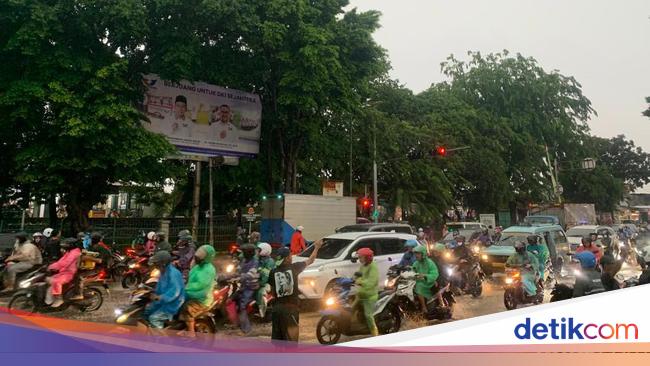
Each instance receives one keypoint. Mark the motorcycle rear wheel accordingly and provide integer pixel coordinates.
(328, 330)
(92, 301)
(204, 326)
(130, 281)
(389, 320)
(477, 288)
(22, 305)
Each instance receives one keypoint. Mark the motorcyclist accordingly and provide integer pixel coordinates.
(184, 251)
(162, 243)
(23, 258)
(254, 238)
(150, 244)
(249, 278)
(463, 257)
(51, 250)
(540, 252)
(39, 240)
(266, 265)
(610, 267)
(422, 237)
(65, 269)
(528, 265)
(409, 257)
(485, 239)
(589, 246)
(368, 281)
(425, 278)
(588, 280)
(169, 293)
(198, 291)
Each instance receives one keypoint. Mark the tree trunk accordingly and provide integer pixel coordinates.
(51, 211)
(77, 209)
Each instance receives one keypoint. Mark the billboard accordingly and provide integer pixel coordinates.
(203, 119)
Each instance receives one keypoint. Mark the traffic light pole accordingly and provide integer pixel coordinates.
(374, 190)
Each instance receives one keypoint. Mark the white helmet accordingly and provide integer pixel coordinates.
(265, 249)
(36, 234)
(300, 228)
(48, 232)
(151, 235)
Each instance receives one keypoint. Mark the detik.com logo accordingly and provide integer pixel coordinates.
(568, 328)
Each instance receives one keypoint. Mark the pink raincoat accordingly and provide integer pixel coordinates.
(67, 267)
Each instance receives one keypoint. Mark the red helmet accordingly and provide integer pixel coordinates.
(366, 252)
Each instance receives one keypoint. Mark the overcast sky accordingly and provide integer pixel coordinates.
(604, 44)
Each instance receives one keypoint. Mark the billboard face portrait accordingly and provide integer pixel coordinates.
(203, 119)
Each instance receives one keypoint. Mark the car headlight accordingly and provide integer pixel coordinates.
(509, 280)
(330, 301)
(312, 283)
(230, 268)
(25, 284)
(484, 257)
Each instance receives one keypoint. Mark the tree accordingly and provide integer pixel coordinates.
(647, 111)
(69, 96)
(627, 162)
(535, 109)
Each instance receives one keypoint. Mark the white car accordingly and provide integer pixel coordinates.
(576, 233)
(335, 260)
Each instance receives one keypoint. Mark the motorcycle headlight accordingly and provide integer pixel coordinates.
(117, 312)
(330, 301)
(133, 265)
(122, 318)
(476, 249)
(484, 257)
(230, 268)
(509, 280)
(450, 271)
(447, 255)
(25, 284)
(155, 273)
(389, 283)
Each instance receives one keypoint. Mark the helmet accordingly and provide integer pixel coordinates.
(48, 232)
(96, 236)
(183, 233)
(254, 237)
(485, 231)
(300, 228)
(21, 236)
(151, 235)
(455, 234)
(265, 249)
(420, 249)
(37, 234)
(161, 259)
(69, 243)
(205, 252)
(439, 247)
(161, 235)
(186, 237)
(411, 243)
(586, 239)
(248, 250)
(283, 253)
(587, 259)
(607, 260)
(532, 239)
(460, 240)
(519, 245)
(366, 252)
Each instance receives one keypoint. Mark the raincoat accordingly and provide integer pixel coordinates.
(527, 276)
(407, 259)
(429, 269)
(542, 256)
(66, 268)
(368, 282)
(170, 288)
(201, 280)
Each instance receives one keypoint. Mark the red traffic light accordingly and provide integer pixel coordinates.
(365, 202)
(441, 151)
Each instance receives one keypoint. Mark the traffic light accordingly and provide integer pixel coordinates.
(365, 203)
(441, 151)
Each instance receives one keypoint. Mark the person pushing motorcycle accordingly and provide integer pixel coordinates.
(425, 278)
(368, 281)
(528, 264)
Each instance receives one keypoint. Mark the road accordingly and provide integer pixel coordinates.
(466, 307)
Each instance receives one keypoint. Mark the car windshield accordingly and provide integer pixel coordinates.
(509, 239)
(540, 220)
(353, 229)
(332, 248)
(579, 232)
(466, 233)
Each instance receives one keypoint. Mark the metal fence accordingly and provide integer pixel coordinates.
(122, 231)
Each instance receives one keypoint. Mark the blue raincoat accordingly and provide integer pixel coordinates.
(171, 290)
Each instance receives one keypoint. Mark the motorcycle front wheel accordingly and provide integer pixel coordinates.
(510, 299)
(22, 305)
(327, 330)
(204, 326)
(477, 287)
(130, 281)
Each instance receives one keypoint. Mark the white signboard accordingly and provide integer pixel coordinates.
(488, 220)
(203, 119)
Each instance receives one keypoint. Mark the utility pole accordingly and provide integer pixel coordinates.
(375, 204)
(211, 212)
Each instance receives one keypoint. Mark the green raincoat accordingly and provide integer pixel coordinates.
(425, 267)
(542, 256)
(527, 276)
(368, 282)
(201, 280)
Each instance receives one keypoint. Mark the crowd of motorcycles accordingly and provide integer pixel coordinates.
(396, 301)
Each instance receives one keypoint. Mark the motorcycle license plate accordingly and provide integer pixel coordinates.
(499, 265)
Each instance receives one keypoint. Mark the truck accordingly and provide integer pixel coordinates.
(567, 214)
(319, 215)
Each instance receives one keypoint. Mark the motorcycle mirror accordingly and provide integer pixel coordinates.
(354, 257)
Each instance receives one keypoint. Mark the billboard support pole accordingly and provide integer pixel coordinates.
(195, 200)
(211, 222)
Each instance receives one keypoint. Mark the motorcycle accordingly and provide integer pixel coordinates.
(19, 276)
(401, 280)
(30, 298)
(138, 269)
(339, 318)
(468, 276)
(141, 297)
(515, 294)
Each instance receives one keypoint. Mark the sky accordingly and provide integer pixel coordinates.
(604, 44)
